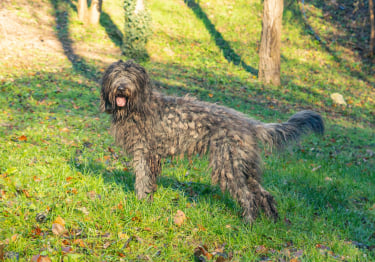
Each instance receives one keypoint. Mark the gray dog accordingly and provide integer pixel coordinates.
(151, 126)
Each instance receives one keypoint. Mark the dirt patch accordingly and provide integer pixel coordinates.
(27, 36)
(29, 40)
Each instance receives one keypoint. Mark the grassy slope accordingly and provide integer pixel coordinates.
(57, 156)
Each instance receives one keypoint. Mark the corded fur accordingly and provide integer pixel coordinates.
(152, 126)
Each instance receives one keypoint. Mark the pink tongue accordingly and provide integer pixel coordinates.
(120, 101)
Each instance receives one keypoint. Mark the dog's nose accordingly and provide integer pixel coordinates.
(121, 88)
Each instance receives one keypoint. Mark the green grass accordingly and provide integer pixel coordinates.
(58, 159)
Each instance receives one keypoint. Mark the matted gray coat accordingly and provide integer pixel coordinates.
(151, 126)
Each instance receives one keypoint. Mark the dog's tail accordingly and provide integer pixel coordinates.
(277, 135)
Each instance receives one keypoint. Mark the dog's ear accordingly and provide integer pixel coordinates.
(105, 106)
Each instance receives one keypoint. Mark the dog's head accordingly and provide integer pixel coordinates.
(125, 89)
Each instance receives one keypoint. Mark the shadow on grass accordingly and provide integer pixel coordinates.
(112, 30)
(62, 27)
(344, 38)
(194, 192)
(61, 8)
(228, 52)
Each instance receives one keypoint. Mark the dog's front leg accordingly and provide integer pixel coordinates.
(146, 169)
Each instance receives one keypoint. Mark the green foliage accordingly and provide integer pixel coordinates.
(137, 31)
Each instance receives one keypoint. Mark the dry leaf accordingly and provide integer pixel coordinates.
(201, 228)
(40, 258)
(316, 168)
(37, 179)
(79, 242)
(210, 95)
(179, 218)
(58, 229)
(93, 195)
(22, 138)
(202, 250)
(14, 237)
(261, 249)
(26, 193)
(83, 210)
(60, 221)
(67, 249)
(65, 130)
(122, 235)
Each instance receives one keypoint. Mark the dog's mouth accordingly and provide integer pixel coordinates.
(121, 101)
(122, 96)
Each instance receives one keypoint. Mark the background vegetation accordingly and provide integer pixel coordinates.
(66, 191)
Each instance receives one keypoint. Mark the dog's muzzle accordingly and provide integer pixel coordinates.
(122, 96)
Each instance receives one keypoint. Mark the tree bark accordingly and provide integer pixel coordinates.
(372, 22)
(82, 10)
(95, 10)
(269, 52)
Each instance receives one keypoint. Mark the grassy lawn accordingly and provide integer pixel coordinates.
(66, 190)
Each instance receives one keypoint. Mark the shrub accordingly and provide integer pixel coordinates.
(137, 31)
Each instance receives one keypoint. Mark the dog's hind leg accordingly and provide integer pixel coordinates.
(146, 168)
(237, 170)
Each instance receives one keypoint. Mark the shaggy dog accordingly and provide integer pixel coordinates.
(151, 126)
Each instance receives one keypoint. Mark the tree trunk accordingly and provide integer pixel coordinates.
(269, 52)
(372, 22)
(95, 10)
(82, 10)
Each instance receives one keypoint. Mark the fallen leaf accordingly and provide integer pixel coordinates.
(122, 235)
(93, 195)
(14, 237)
(83, 210)
(36, 231)
(261, 249)
(201, 228)
(67, 249)
(58, 229)
(210, 95)
(316, 168)
(26, 193)
(37, 179)
(60, 221)
(202, 251)
(106, 244)
(40, 258)
(22, 138)
(179, 218)
(65, 130)
(79, 242)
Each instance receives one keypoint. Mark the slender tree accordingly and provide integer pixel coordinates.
(95, 10)
(92, 14)
(269, 52)
(82, 10)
